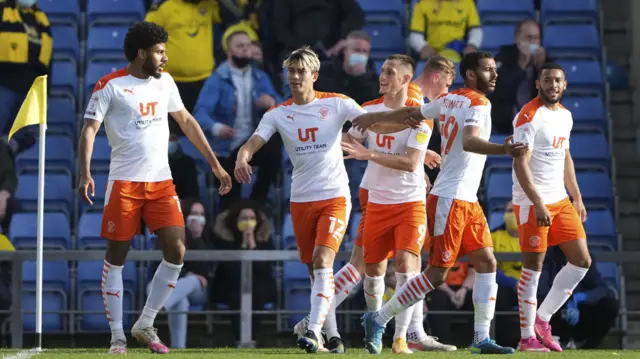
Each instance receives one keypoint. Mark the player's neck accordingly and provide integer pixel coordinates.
(550, 106)
(303, 98)
(395, 100)
(430, 94)
(137, 72)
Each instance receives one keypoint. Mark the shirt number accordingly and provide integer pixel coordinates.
(422, 231)
(449, 132)
(337, 227)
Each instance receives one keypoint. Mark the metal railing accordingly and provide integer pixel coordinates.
(246, 284)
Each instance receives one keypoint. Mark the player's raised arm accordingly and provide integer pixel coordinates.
(571, 183)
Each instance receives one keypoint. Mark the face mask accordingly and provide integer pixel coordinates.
(357, 59)
(246, 224)
(27, 3)
(196, 218)
(510, 221)
(173, 147)
(533, 48)
(241, 62)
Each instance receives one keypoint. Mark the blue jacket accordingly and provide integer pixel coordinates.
(217, 103)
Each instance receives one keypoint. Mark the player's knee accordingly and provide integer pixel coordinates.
(117, 252)
(584, 262)
(486, 265)
(174, 251)
(323, 258)
(436, 276)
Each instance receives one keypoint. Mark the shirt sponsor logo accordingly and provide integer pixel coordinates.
(384, 141)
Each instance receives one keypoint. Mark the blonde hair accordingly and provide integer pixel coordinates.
(440, 64)
(304, 56)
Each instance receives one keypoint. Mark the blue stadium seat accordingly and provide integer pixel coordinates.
(496, 219)
(66, 46)
(569, 11)
(496, 35)
(101, 157)
(378, 65)
(609, 272)
(61, 116)
(88, 235)
(386, 39)
(288, 236)
(596, 189)
(297, 299)
(64, 79)
(105, 43)
(589, 113)
(572, 41)
(22, 231)
(390, 10)
(51, 300)
(55, 275)
(498, 161)
(91, 300)
(590, 151)
(503, 11)
(89, 274)
(95, 71)
(601, 228)
(58, 193)
(353, 226)
(61, 12)
(498, 190)
(583, 76)
(114, 11)
(295, 271)
(58, 152)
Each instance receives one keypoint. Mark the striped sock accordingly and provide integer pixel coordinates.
(112, 295)
(411, 293)
(527, 289)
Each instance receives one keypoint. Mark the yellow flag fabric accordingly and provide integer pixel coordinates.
(5, 244)
(34, 108)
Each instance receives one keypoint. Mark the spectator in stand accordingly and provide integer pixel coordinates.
(244, 226)
(236, 11)
(589, 313)
(439, 27)
(190, 46)
(191, 288)
(183, 171)
(351, 73)
(506, 239)
(230, 106)
(8, 185)
(25, 47)
(518, 66)
(453, 294)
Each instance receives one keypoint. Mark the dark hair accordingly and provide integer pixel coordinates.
(143, 35)
(550, 66)
(405, 60)
(231, 222)
(359, 35)
(524, 22)
(471, 61)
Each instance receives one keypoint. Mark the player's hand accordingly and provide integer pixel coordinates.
(582, 211)
(337, 48)
(514, 149)
(226, 132)
(429, 185)
(265, 101)
(86, 188)
(363, 122)
(543, 217)
(539, 57)
(243, 171)
(459, 297)
(413, 122)
(426, 52)
(432, 159)
(224, 178)
(355, 150)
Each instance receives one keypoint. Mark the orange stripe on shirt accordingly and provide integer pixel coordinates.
(105, 79)
(528, 112)
(476, 98)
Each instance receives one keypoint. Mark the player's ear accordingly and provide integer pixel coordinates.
(315, 76)
(564, 85)
(537, 84)
(435, 78)
(142, 54)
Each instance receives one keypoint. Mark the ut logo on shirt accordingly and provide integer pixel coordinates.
(384, 140)
(148, 108)
(558, 141)
(308, 133)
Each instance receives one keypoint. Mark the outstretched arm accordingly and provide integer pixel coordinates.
(243, 170)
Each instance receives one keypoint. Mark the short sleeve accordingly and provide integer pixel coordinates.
(99, 103)
(350, 109)
(266, 127)
(524, 130)
(431, 110)
(419, 137)
(478, 115)
(473, 20)
(175, 101)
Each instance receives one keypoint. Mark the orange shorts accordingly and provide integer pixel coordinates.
(455, 228)
(319, 223)
(363, 195)
(565, 226)
(126, 203)
(392, 227)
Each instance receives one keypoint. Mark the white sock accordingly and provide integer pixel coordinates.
(346, 278)
(410, 293)
(485, 290)
(163, 283)
(403, 319)
(563, 285)
(416, 327)
(112, 293)
(321, 297)
(373, 291)
(527, 291)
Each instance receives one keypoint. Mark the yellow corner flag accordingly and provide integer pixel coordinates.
(34, 108)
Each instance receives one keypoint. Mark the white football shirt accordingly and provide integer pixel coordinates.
(311, 135)
(134, 112)
(546, 132)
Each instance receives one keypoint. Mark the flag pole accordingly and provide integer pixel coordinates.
(40, 233)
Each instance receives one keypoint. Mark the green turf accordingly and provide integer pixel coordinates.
(294, 353)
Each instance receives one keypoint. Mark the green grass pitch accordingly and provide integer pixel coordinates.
(287, 353)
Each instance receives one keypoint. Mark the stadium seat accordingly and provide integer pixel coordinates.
(386, 39)
(95, 71)
(114, 11)
(91, 300)
(596, 189)
(583, 76)
(51, 300)
(353, 226)
(64, 79)
(498, 161)
(22, 231)
(496, 35)
(61, 116)
(505, 11)
(572, 41)
(569, 11)
(88, 235)
(609, 272)
(383, 11)
(288, 237)
(498, 191)
(496, 219)
(601, 228)
(61, 12)
(58, 193)
(101, 155)
(58, 152)
(55, 275)
(66, 46)
(297, 299)
(105, 43)
(590, 151)
(589, 113)
(89, 274)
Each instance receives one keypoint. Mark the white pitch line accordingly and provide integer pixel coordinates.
(25, 354)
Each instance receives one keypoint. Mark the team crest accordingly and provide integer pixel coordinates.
(324, 113)
(534, 241)
(111, 227)
(446, 256)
